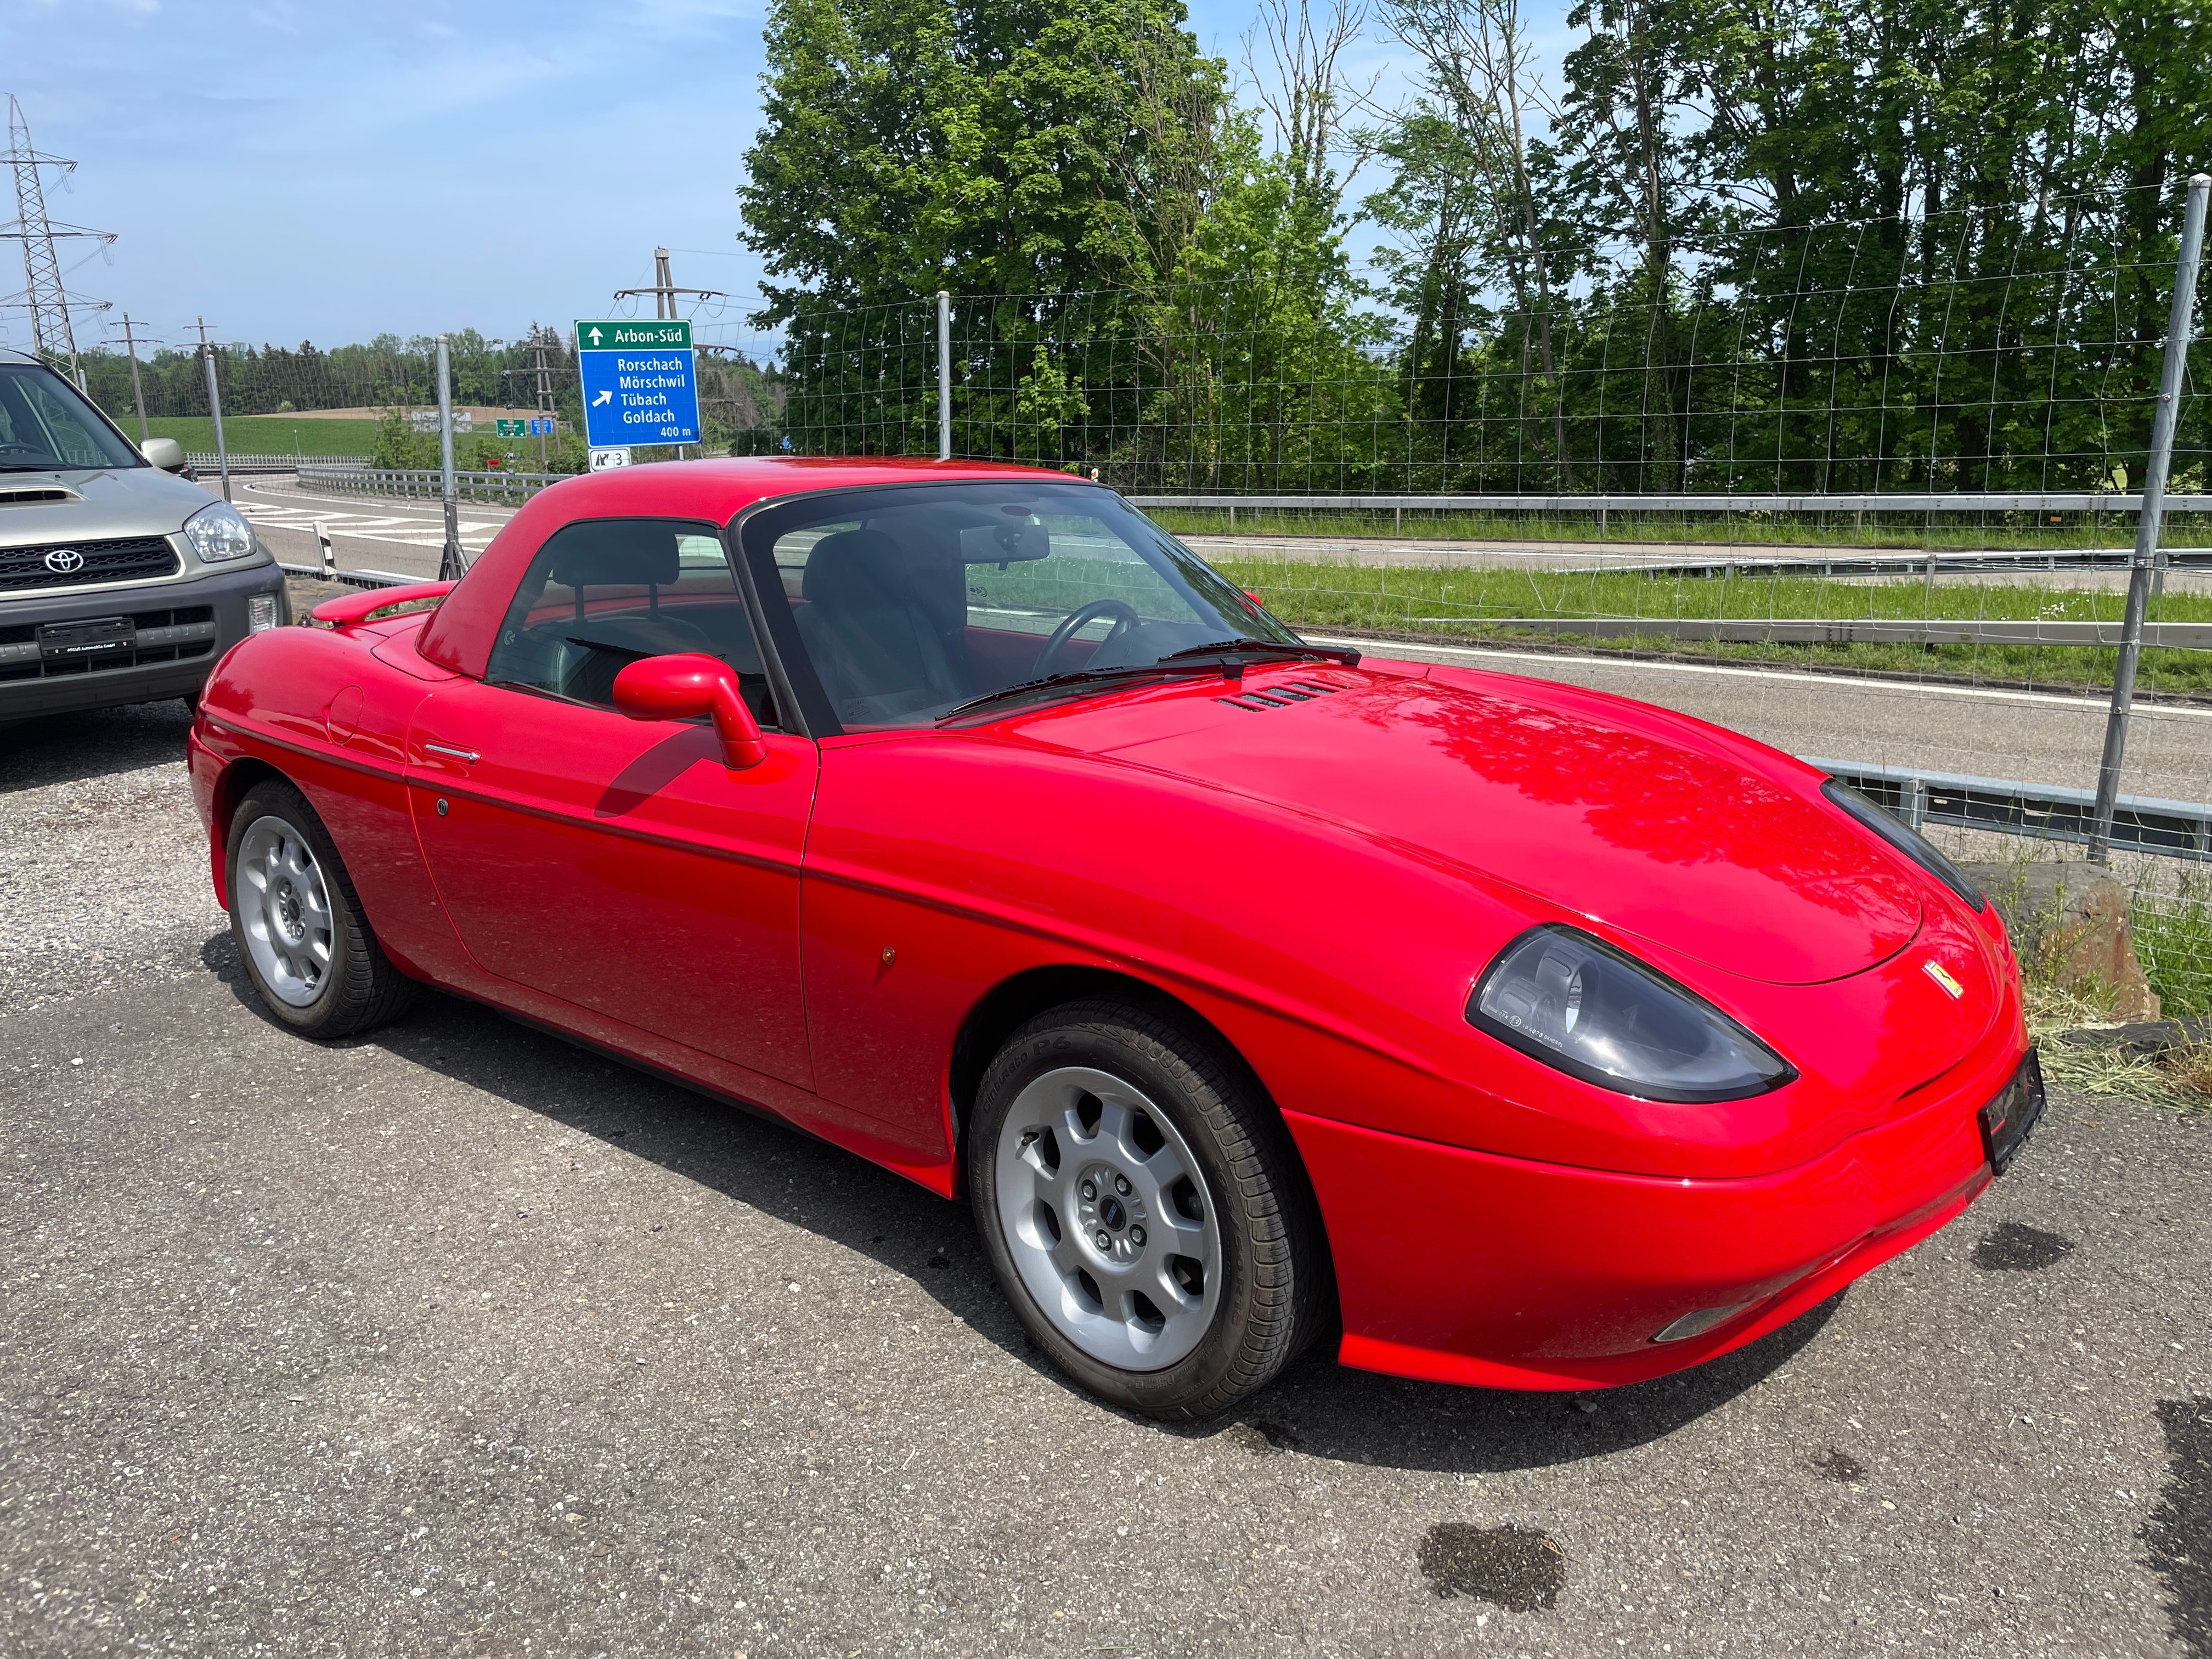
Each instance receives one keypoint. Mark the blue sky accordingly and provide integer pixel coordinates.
(325, 171)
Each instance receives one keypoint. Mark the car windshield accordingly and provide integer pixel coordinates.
(46, 426)
(911, 601)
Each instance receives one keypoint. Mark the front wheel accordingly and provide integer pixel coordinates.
(1144, 1210)
(298, 922)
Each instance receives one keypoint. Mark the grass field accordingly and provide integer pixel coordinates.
(260, 434)
(2174, 937)
(1876, 531)
(1456, 601)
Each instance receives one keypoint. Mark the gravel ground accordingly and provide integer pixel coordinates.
(456, 1340)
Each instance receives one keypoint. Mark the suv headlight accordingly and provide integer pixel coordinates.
(1904, 837)
(1575, 1002)
(218, 532)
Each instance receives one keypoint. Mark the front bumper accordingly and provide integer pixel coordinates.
(1464, 1266)
(183, 629)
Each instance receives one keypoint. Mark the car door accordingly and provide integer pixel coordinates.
(612, 863)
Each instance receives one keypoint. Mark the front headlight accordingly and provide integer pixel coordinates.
(1904, 837)
(1575, 1002)
(218, 532)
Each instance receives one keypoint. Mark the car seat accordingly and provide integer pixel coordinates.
(869, 629)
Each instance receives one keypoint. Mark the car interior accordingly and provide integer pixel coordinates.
(905, 611)
(604, 595)
(913, 610)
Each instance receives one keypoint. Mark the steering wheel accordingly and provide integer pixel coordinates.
(1125, 618)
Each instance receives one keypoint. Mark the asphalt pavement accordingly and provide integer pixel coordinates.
(458, 1340)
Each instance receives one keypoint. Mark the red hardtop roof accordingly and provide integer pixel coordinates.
(460, 634)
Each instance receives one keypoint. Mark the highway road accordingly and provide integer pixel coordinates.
(1981, 731)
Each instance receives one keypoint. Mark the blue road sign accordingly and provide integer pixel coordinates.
(636, 390)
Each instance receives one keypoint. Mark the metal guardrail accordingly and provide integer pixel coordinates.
(2055, 502)
(1933, 563)
(350, 578)
(2172, 829)
(410, 483)
(1797, 630)
(335, 474)
(208, 462)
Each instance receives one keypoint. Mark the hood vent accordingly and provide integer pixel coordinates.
(1278, 696)
(21, 496)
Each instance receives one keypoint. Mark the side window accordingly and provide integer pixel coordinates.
(604, 595)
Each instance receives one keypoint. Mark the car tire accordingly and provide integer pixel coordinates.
(1145, 1209)
(298, 923)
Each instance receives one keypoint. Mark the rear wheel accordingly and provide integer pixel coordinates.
(1144, 1210)
(298, 922)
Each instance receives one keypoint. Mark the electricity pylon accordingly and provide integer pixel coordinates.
(664, 289)
(53, 335)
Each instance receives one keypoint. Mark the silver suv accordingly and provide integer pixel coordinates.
(118, 581)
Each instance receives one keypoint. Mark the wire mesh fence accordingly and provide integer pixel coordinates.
(1985, 349)
(1866, 492)
(2171, 921)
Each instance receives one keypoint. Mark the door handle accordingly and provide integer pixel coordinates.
(468, 755)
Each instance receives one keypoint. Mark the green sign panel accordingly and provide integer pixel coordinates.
(512, 429)
(620, 334)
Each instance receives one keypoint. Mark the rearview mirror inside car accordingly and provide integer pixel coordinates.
(165, 453)
(686, 685)
(1011, 543)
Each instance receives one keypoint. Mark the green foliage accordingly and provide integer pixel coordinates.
(1851, 245)
(398, 445)
(2173, 939)
(1476, 601)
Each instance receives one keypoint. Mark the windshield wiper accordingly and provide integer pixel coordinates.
(1194, 659)
(1079, 677)
(1342, 653)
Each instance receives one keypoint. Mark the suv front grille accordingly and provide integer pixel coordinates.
(176, 636)
(141, 558)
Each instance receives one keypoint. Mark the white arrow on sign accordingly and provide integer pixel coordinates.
(595, 336)
(604, 398)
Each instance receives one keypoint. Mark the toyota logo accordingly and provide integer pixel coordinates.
(64, 561)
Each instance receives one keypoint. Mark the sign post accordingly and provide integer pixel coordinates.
(640, 384)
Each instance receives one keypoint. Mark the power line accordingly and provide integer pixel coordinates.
(53, 337)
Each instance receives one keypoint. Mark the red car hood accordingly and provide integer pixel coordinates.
(1602, 806)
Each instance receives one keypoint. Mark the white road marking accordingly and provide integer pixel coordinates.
(1852, 682)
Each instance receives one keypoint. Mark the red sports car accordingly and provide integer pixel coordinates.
(1505, 1032)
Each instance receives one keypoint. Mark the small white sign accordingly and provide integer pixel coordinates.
(602, 459)
(426, 420)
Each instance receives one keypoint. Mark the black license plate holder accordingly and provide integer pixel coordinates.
(2008, 1120)
(94, 636)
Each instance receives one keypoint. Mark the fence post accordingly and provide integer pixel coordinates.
(943, 375)
(450, 567)
(215, 409)
(2167, 410)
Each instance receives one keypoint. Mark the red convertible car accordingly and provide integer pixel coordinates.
(1252, 991)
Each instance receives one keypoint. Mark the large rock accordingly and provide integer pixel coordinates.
(2069, 921)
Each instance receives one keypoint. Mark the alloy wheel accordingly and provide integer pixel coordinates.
(286, 911)
(1107, 1218)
